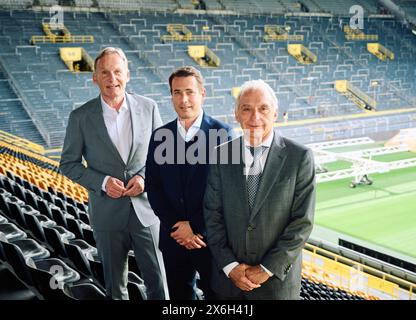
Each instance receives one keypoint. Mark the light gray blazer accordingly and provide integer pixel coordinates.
(280, 223)
(87, 137)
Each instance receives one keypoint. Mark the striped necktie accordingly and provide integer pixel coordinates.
(254, 174)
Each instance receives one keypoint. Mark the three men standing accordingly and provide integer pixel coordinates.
(240, 222)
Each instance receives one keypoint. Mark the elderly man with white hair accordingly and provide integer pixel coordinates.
(259, 210)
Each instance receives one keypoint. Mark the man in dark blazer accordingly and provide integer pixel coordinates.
(112, 133)
(259, 204)
(176, 173)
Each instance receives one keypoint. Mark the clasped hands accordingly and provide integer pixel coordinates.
(247, 277)
(186, 237)
(115, 188)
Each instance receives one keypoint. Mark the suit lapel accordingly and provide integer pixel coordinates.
(274, 164)
(97, 121)
(136, 123)
(237, 175)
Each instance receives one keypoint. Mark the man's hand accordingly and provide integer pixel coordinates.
(186, 237)
(256, 274)
(195, 242)
(240, 280)
(114, 188)
(134, 187)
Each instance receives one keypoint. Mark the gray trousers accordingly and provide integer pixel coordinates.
(113, 248)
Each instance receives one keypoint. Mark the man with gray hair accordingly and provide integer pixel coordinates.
(259, 210)
(111, 133)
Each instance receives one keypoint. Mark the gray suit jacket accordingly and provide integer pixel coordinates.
(87, 137)
(279, 225)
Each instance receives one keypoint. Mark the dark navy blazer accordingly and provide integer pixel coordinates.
(173, 199)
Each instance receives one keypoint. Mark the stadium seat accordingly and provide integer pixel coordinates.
(17, 213)
(75, 227)
(56, 237)
(89, 236)
(31, 199)
(2, 218)
(136, 287)
(96, 268)
(3, 203)
(19, 192)
(44, 208)
(34, 224)
(42, 272)
(79, 259)
(11, 232)
(9, 200)
(59, 203)
(133, 264)
(72, 210)
(84, 291)
(59, 216)
(15, 254)
(84, 217)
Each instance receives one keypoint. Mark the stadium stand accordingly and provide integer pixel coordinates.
(43, 217)
(49, 91)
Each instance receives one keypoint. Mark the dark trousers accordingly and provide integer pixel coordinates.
(181, 266)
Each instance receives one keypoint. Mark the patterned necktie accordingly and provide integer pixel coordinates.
(254, 174)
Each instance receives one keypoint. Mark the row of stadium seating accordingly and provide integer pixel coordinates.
(32, 220)
(45, 178)
(252, 6)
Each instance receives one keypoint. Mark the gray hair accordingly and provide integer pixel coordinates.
(257, 85)
(110, 50)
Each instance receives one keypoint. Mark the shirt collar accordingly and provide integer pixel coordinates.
(110, 110)
(196, 125)
(265, 143)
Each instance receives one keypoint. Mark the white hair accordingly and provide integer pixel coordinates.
(111, 50)
(257, 85)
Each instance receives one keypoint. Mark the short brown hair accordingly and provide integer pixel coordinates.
(187, 71)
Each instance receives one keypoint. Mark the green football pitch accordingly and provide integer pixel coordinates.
(383, 213)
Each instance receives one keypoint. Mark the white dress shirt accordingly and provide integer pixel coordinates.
(118, 124)
(248, 157)
(188, 135)
(248, 161)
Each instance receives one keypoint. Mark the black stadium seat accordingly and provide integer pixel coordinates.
(50, 276)
(84, 291)
(31, 199)
(89, 236)
(136, 287)
(3, 202)
(2, 218)
(35, 227)
(72, 210)
(59, 216)
(75, 227)
(11, 232)
(16, 214)
(96, 268)
(17, 252)
(44, 208)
